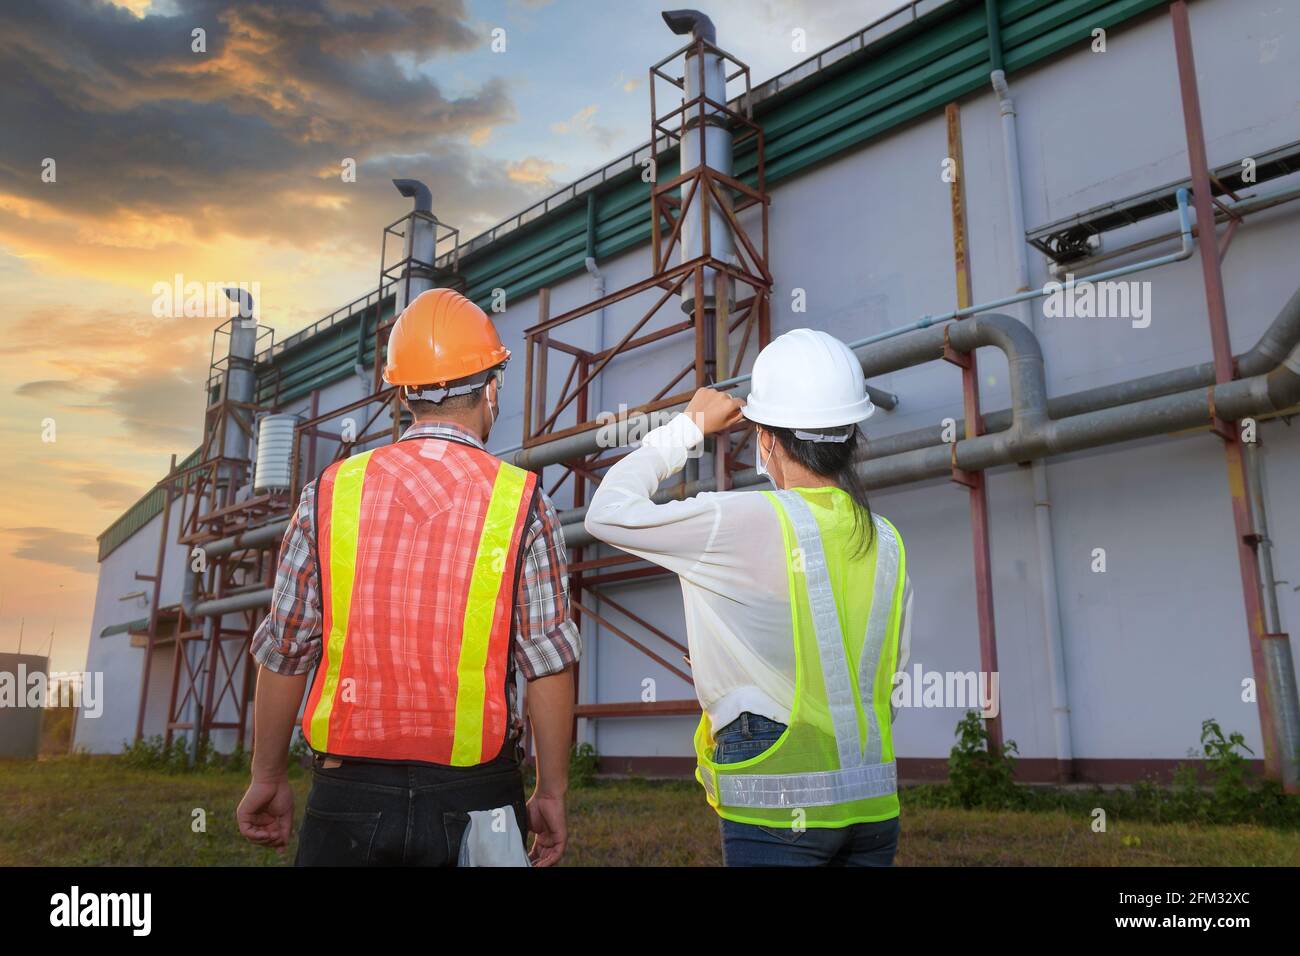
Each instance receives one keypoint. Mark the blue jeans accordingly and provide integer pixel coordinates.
(745, 844)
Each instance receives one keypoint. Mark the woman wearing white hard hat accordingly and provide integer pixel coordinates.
(797, 609)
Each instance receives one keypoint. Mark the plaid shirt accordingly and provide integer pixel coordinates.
(546, 641)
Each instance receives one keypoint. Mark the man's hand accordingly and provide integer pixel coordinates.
(546, 820)
(713, 411)
(265, 814)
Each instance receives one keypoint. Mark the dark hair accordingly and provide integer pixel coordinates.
(836, 460)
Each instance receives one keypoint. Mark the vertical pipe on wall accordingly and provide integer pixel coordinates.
(1276, 643)
(1047, 577)
(994, 21)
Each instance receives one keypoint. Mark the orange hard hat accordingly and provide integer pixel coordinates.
(441, 337)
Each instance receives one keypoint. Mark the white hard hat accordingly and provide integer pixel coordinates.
(807, 379)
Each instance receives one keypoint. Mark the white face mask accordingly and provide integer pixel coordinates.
(494, 407)
(760, 465)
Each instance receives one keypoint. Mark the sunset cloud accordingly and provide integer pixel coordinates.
(532, 170)
(582, 123)
(65, 549)
(157, 149)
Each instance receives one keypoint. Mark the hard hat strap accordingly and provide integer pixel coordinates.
(436, 395)
(821, 437)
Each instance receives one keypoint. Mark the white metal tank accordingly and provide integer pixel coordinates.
(271, 471)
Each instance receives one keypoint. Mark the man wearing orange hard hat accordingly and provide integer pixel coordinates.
(418, 579)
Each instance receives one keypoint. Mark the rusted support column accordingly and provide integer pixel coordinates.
(1217, 312)
(974, 481)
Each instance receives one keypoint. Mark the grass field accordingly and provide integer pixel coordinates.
(84, 811)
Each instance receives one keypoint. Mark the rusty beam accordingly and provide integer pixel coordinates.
(1220, 341)
(973, 481)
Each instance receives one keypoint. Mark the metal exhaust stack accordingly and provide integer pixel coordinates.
(241, 377)
(706, 141)
(419, 244)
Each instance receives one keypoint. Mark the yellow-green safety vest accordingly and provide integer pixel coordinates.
(834, 764)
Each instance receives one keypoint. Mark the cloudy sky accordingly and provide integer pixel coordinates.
(129, 157)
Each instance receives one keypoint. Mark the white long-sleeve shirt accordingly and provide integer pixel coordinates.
(727, 549)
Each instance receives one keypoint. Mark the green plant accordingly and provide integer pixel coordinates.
(154, 753)
(1236, 795)
(979, 776)
(582, 766)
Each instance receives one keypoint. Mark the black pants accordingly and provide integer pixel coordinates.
(369, 814)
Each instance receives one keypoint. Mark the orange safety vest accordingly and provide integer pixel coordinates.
(419, 546)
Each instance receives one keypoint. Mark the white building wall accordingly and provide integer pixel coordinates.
(112, 659)
(1158, 642)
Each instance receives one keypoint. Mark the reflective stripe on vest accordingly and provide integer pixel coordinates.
(882, 606)
(862, 774)
(489, 559)
(787, 791)
(345, 522)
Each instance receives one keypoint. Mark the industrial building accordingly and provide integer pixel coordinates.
(1098, 499)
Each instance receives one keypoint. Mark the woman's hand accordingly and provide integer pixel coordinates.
(714, 411)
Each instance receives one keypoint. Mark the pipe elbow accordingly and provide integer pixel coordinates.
(414, 189)
(243, 298)
(1276, 343)
(1000, 86)
(1011, 336)
(697, 24)
(1283, 382)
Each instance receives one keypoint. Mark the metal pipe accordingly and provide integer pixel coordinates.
(241, 373)
(1278, 339)
(1032, 434)
(240, 387)
(995, 34)
(1017, 343)
(417, 191)
(1277, 644)
(261, 537)
(697, 24)
(1225, 211)
(584, 443)
(418, 246)
(1274, 391)
(706, 142)
(1263, 543)
(1048, 586)
(1272, 347)
(244, 601)
(1187, 247)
